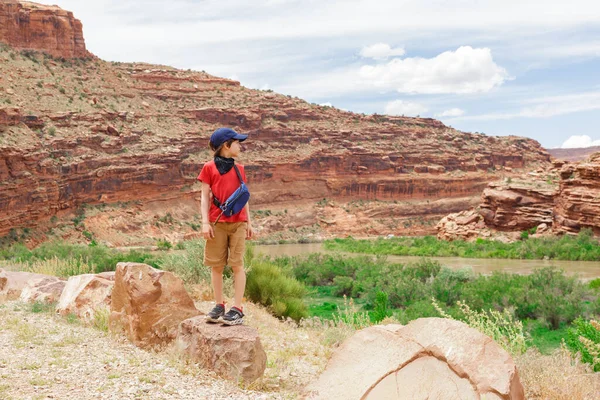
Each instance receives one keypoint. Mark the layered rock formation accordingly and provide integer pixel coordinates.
(94, 133)
(562, 199)
(578, 204)
(32, 26)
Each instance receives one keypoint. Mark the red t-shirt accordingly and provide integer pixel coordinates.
(222, 186)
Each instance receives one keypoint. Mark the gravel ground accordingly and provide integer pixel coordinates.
(43, 356)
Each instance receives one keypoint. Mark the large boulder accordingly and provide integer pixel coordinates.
(430, 358)
(12, 283)
(148, 304)
(45, 290)
(84, 294)
(233, 352)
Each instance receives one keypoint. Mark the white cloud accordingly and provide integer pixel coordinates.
(327, 104)
(401, 107)
(381, 51)
(579, 141)
(463, 71)
(453, 112)
(545, 107)
(466, 70)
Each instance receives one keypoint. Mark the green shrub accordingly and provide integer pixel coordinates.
(381, 309)
(267, 284)
(555, 297)
(583, 247)
(584, 338)
(188, 265)
(594, 283)
(164, 244)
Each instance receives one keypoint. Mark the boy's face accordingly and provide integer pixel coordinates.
(235, 149)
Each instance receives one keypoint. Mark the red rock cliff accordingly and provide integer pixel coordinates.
(32, 26)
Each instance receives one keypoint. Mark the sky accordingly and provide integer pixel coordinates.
(511, 67)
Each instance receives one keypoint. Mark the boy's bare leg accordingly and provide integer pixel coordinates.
(239, 285)
(217, 283)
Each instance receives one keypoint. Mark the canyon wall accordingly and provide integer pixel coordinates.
(32, 26)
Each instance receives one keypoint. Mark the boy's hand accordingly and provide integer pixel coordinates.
(249, 231)
(208, 231)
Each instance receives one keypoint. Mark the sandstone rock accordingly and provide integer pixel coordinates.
(233, 352)
(429, 358)
(33, 26)
(109, 275)
(465, 225)
(12, 283)
(148, 304)
(578, 203)
(10, 116)
(83, 295)
(44, 290)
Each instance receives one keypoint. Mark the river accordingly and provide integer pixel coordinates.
(585, 269)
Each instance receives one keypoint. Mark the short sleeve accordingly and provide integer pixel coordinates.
(205, 175)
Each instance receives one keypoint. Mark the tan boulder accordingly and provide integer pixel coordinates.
(110, 275)
(12, 283)
(233, 352)
(84, 294)
(148, 304)
(46, 290)
(430, 358)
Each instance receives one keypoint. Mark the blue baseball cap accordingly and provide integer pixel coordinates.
(222, 135)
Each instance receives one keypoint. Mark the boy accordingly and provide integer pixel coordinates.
(225, 240)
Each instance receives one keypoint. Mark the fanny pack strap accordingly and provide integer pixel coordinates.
(216, 201)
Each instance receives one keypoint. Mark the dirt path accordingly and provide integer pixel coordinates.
(43, 356)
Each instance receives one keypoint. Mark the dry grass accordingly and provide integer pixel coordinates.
(558, 376)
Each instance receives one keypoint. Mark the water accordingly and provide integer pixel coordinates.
(585, 269)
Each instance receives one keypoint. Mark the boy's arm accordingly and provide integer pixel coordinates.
(207, 228)
(249, 231)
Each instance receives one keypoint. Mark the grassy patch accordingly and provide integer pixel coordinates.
(583, 247)
(545, 339)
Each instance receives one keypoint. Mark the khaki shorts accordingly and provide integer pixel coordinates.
(228, 245)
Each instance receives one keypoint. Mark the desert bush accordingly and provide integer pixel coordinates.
(502, 327)
(555, 297)
(189, 264)
(558, 376)
(269, 285)
(584, 338)
(97, 258)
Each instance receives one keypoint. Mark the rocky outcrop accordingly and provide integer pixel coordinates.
(148, 304)
(31, 26)
(45, 290)
(233, 352)
(578, 204)
(518, 206)
(84, 294)
(563, 199)
(428, 358)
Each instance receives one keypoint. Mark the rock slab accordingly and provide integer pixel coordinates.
(12, 283)
(148, 304)
(83, 295)
(430, 358)
(233, 352)
(44, 290)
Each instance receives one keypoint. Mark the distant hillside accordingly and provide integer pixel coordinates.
(578, 154)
